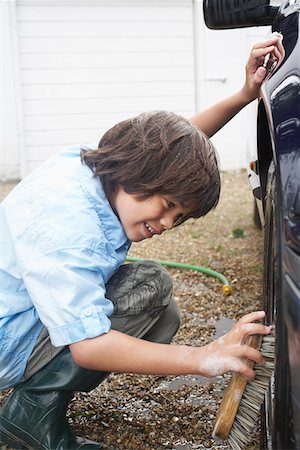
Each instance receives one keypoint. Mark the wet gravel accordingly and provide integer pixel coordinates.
(134, 412)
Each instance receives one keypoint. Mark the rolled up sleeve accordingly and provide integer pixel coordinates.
(67, 288)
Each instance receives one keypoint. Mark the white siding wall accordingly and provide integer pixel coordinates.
(73, 68)
(84, 65)
(10, 111)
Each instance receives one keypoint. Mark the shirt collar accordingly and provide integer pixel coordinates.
(112, 227)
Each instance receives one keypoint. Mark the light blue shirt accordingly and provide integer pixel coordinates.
(60, 244)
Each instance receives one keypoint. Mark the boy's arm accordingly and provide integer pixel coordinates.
(214, 118)
(118, 352)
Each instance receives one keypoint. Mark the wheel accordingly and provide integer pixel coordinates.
(276, 413)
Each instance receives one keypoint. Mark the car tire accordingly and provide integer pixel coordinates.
(256, 217)
(276, 413)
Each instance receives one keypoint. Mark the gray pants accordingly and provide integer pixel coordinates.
(143, 307)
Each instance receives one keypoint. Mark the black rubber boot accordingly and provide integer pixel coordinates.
(34, 415)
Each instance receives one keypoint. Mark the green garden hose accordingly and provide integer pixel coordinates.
(226, 289)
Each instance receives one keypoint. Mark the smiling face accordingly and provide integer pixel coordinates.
(156, 154)
(143, 218)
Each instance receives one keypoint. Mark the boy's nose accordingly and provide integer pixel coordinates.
(167, 222)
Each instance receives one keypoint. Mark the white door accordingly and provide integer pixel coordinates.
(221, 58)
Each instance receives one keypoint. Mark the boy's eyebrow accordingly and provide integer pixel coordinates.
(177, 203)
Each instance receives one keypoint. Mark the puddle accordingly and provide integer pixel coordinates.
(183, 447)
(186, 380)
(223, 325)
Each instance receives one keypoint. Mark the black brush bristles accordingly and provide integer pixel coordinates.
(253, 397)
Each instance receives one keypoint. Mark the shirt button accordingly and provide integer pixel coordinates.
(88, 313)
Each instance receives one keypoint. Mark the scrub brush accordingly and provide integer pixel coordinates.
(242, 401)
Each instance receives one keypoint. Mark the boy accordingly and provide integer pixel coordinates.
(70, 311)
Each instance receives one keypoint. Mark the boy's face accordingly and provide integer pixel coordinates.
(143, 218)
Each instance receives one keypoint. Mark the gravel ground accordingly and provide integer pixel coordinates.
(130, 412)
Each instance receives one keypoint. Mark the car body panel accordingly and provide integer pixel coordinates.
(281, 101)
(275, 180)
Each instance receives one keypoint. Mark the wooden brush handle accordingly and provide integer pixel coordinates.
(233, 394)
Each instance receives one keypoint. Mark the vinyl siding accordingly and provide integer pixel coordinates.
(86, 65)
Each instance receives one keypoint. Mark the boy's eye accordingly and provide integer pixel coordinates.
(178, 219)
(170, 204)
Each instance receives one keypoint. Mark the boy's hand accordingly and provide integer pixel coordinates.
(264, 57)
(226, 353)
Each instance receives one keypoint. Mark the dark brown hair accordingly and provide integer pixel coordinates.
(158, 153)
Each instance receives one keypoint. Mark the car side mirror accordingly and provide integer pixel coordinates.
(226, 14)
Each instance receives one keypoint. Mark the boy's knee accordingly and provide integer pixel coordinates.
(154, 274)
(143, 285)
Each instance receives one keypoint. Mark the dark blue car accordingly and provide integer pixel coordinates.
(277, 194)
